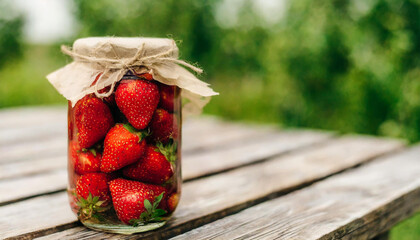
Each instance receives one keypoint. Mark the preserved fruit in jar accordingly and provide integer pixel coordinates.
(124, 130)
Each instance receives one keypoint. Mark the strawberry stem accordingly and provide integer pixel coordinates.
(152, 213)
(141, 134)
(90, 207)
(93, 151)
(169, 151)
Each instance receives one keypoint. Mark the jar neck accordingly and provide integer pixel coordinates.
(130, 75)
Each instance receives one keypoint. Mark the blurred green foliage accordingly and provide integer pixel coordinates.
(349, 66)
(10, 33)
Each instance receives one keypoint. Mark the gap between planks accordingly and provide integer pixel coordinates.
(52, 142)
(194, 165)
(208, 199)
(358, 204)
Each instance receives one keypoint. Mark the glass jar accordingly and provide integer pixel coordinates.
(124, 155)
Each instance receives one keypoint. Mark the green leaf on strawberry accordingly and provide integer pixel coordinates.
(152, 213)
(168, 150)
(90, 207)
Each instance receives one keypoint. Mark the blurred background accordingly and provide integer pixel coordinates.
(348, 66)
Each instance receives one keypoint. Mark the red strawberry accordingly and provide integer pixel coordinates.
(70, 122)
(153, 167)
(122, 146)
(146, 76)
(87, 162)
(95, 184)
(84, 160)
(129, 197)
(74, 149)
(167, 97)
(92, 195)
(172, 202)
(111, 98)
(93, 120)
(164, 126)
(137, 100)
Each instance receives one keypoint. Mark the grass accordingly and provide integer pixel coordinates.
(23, 82)
(407, 230)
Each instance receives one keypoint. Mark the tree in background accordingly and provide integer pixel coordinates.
(350, 66)
(10, 33)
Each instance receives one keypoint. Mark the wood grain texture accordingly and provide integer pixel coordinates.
(208, 199)
(20, 188)
(209, 162)
(246, 152)
(37, 166)
(48, 147)
(49, 138)
(45, 130)
(31, 116)
(358, 204)
(50, 151)
(38, 215)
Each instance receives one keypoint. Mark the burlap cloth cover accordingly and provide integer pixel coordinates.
(114, 56)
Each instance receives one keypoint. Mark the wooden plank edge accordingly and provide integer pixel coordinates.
(373, 221)
(172, 231)
(47, 231)
(408, 205)
(320, 141)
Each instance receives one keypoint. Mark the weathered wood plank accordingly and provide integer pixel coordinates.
(39, 164)
(14, 135)
(20, 188)
(50, 211)
(275, 144)
(43, 140)
(49, 147)
(207, 199)
(35, 166)
(358, 204)
(245, 152)
(46, 152)
(30, 116)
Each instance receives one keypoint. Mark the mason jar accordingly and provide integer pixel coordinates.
(124, 155)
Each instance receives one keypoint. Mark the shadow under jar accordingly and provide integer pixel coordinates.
(124, 155)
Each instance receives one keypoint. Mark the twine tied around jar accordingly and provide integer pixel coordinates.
(122, 65)
(107, 59)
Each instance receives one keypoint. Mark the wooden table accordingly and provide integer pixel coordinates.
(240, 181)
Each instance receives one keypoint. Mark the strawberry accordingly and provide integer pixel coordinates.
(153, 167)
(163, 126)
(123, 146)
(92, 195)
(87, 162)
(167, 97)
(146, 76)
(84, 160)
(95, 184)
(132, 201)
(137, 100)
(74, 149)
(111, 98)
(93, 120)
(172, 202)
(70, 122)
